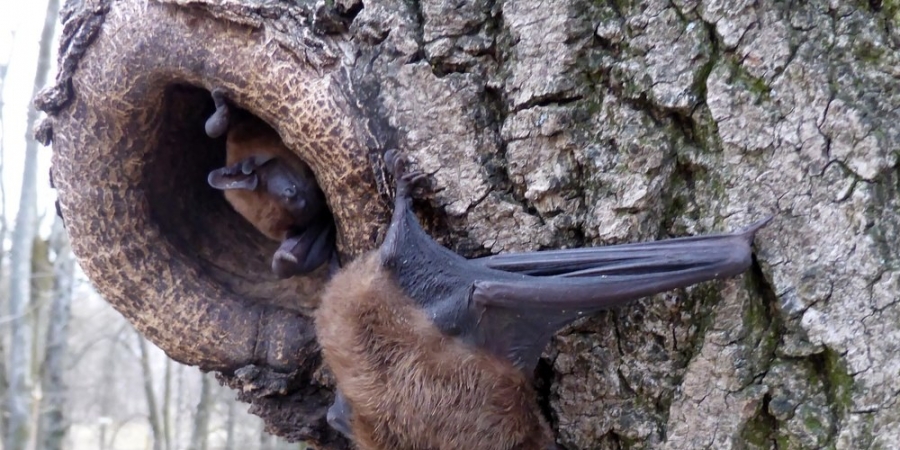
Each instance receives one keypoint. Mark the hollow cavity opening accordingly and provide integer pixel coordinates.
(197, 219)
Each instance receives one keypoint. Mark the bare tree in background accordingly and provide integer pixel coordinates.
(543, 125)
(18, 404)
(229, 424)
(180, 390)
(111, 366)
(3, 230)
(41, 294)
(167, 405)
(52, 425)
(199, 436)
(152, 408)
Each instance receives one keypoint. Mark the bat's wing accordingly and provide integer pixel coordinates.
(638, 258)
(518, 312)
(512, 304)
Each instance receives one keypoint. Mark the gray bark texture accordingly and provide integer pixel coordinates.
(543, 124)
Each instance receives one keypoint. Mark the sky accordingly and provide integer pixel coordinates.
(20, 31)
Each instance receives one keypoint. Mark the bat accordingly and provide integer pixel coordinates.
(430, 350)
(273, 189)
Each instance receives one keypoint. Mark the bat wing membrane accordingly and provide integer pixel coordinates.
(517, 314)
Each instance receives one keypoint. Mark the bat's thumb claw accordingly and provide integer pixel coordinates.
(750, 231)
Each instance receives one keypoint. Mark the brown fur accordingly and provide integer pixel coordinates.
(249, 137)
(409, 385)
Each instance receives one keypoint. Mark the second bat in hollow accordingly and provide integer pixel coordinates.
(273, 189)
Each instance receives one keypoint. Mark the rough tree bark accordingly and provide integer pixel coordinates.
(543, 124)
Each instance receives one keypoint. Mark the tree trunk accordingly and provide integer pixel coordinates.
(230, 425)
(4, 228)
(167, 405)
(266, 440)
(180, 390)
(41, 296)
(19, 401)
(200, 433)
(542, 125)
(150, 394)
(111, 367)
(52, 425)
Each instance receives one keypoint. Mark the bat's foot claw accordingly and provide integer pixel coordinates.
(399, 167)
(302, 253)
(408, 182)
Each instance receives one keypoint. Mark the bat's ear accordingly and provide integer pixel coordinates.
(225, 179)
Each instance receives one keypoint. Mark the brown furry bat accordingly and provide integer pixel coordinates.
(273, 189)
(434, 351)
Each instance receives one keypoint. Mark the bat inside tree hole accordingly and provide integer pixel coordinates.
(201, 223)
(272, 188)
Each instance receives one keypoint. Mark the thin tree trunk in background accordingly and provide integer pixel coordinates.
(19, 399)
(229, 423)
(4, 384)
(167, 405)
(52, 425)
(152, 410)
(111, 363)
(201, 415)
(18, 403)
(179, 410)
(41, 293)
(265, 439)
